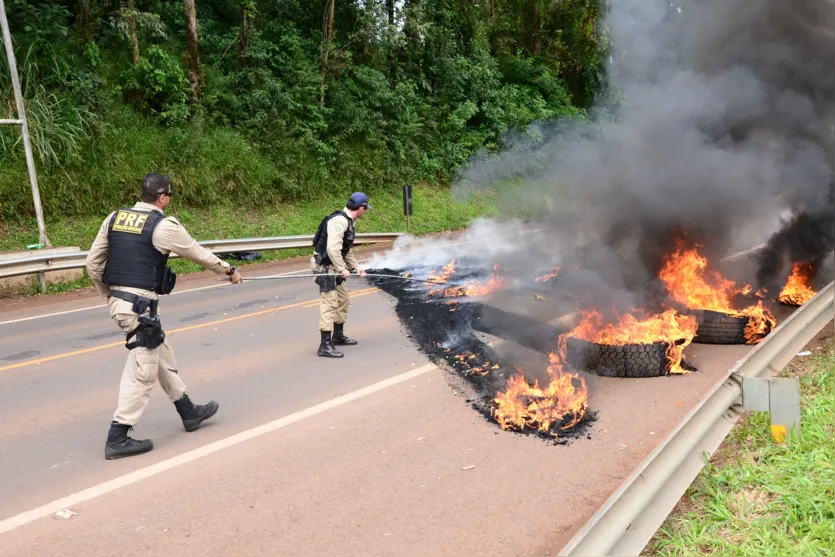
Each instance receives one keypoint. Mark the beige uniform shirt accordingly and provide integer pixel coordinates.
(169, 236)
(337, 227)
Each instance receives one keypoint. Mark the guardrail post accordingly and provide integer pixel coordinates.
(40, 283)
(780, 397)
(784, 399)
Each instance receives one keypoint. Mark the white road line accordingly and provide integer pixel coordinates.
(93, 307)
(122, 481)
(105, 305)
(221, 285)
(725, 259)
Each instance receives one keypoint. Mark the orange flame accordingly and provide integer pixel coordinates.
(552, 273)
(444, 275)
(798, 291)
(670, 327)
(475, 288)
(471, 364)
(691, 284)
(565, 400)
(471, 288)
(522, 405)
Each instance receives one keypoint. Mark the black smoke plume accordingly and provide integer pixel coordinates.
(725, 121)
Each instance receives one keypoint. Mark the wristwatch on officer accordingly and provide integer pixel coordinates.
(232, 270)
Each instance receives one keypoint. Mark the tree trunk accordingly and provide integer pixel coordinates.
(537, 29)
(327, 35)
(134, 40)
(390, 11)
(491, 30)
(243, 38)
(409, 29)
(87, 20)
(195, 75)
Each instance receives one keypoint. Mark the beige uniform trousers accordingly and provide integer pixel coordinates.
(143, 368)
(333, 305)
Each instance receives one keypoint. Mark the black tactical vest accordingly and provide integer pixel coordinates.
(320, 240)
(132, 259)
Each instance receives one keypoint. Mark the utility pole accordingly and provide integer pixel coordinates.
(24, 127)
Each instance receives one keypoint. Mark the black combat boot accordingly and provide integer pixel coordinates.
(326, 348)
(339, 336)
(119, 445)
(194, 414)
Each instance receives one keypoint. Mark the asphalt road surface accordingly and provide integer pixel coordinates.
(372, 454)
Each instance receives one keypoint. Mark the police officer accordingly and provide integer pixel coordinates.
(128, 263)
(333, 260)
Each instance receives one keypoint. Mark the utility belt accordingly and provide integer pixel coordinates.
(149, 333)
(327, 282)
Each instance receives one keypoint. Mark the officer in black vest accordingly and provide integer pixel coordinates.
(333, 260)
(128, 263)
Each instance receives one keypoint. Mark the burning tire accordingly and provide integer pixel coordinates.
(627, 360)
(720, 328)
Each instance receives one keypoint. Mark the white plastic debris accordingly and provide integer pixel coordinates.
(470, 467)
(65, 514)
(804, 353)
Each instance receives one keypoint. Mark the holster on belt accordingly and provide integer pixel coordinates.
(149, 333)
(327, 282)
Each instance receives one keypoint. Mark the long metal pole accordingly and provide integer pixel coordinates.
(24, 126)
(310, 275)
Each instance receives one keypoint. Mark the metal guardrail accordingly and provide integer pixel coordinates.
(44, 262)
(628, 520)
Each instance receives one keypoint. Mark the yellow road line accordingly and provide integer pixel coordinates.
(307, 304)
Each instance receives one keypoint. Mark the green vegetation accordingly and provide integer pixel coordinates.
(759, 497)
(434, 211)
(281, 102)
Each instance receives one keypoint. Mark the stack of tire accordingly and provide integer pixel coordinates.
(720, 328)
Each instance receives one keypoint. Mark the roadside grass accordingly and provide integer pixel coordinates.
(434, 210)
(759, 497)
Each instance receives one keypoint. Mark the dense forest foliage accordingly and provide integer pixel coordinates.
(257, 101)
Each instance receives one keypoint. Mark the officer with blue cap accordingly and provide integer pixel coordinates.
(334, 262)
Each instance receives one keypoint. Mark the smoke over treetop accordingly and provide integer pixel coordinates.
(726, 116)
